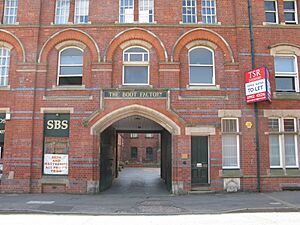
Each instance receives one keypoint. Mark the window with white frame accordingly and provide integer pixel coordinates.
(62, 11)
(146, 11)
(149, 135)
(189, 11)
(271, 11)
(4, 65)
(126, 11)
(10, 11)
(81, 11)
(286, 73)
(201, 65)
(136, 66)
(209, 11)
(134, 135)
(290, 12)
(283, 143)
(70, 66)
(230, 143)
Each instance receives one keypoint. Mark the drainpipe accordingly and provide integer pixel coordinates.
(257, 141)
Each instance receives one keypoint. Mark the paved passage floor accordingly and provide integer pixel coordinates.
(138, 181)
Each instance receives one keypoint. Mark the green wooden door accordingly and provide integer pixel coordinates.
(200, 160)
(106, 175)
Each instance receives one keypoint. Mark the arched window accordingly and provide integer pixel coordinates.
(4, 65)
(201, 64)
(70, 66)
(136, 66)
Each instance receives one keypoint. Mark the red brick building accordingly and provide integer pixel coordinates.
(139, 150)
(74, 73)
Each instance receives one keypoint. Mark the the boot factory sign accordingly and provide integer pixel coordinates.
(131, 94)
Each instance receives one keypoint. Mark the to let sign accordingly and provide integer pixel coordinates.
(257, 85)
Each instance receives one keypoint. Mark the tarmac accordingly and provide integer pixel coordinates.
(140, 191)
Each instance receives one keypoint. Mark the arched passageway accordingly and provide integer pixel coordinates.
(135, 156)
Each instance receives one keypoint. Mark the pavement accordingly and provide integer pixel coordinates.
(140, 191)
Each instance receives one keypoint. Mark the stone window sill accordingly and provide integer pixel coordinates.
(286, 95)
(204, 87)
(67, 88)
(5, 88)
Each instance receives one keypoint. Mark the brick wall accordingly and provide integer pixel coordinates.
(33, 80)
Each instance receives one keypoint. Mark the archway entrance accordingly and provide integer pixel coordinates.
(135, 154)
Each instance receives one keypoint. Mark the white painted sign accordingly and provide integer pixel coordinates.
(56, 164)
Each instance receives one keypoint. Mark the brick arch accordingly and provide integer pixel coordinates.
(13, 40)
(202, 34)
(136, 34)
(133, 110)
(284, 48)
(69, 35)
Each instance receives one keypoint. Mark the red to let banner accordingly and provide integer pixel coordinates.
(257, 85)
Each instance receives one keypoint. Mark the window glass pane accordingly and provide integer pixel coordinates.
(201, 75)
(136, 57)
(229, 150)
(136, 75)
(70, 70)
(201, 56)
(81, 11)
(270, 17)
(289, 124)
(289, 17)
(189, 11)
(10, 11)
(285, 84)
(290, 150)
(136, 50)
(4, 66)
(62, 11)
(229, 125)
(70, 80)
(289, 5)
(284, 64)
(208, 11)
(274, 150)
(126, 11)
(270, 6)
(146, 11)
(273, 125)
(71, 56)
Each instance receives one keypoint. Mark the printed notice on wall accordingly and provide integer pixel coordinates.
(257, 85)
(56, 164)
